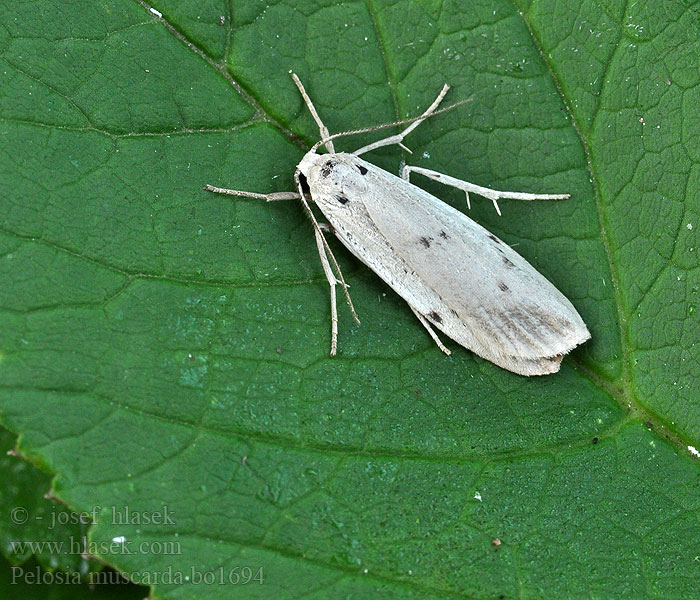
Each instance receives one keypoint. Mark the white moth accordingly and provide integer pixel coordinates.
(454, 274)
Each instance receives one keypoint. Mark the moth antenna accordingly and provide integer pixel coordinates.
(325, 134)
(386, 125)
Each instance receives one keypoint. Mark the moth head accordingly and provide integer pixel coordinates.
(308, 163)
(334, 173)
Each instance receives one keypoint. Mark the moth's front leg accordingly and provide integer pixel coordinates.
(332, 281)
(275, 196)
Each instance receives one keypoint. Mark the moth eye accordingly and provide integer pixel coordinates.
(304, 184)
(341, 199)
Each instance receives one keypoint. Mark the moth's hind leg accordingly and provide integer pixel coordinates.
(398, 138)
(431, 331)
(267, 197)
(467, 187)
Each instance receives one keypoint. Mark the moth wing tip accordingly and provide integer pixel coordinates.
(546, 366)
(551, 364)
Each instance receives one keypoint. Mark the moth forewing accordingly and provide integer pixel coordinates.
(461, 278)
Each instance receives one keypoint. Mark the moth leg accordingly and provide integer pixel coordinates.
(467, 187)
(268, 197)
(325, 134)
(332, 281)
(325, 252)
(398, 138)
(431, 331)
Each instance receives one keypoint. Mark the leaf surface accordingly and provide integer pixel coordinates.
(166, 350)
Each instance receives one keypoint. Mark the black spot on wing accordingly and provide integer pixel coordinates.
(362, 170)
(434, 317)
(503, 287)
(327, 168)
(443, 235)
(494, 238)
(425, 241)
(341, 199)
(507, 262)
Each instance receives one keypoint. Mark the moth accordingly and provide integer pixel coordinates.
(455, 275)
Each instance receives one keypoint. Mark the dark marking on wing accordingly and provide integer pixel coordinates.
(425, 241)
(327, 168)
(433, 316)
(507, 262)
(342, 199)
(454, 312)
(503, 287)
(444, 236)
(363, 170)
(494, 238)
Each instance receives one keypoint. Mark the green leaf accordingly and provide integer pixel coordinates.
(164, 351)
(34, 525)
